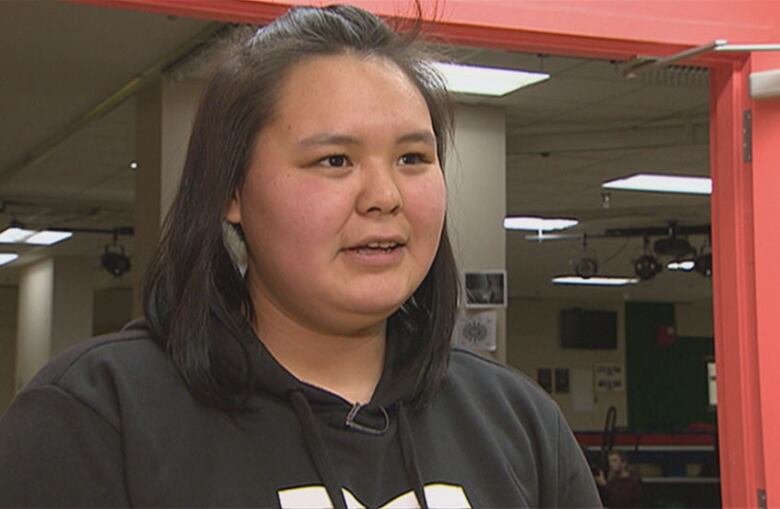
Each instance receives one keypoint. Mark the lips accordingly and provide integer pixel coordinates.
(377, 245)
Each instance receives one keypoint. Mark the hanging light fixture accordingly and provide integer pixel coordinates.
(114, 259)
(585, 265)
(647, 266)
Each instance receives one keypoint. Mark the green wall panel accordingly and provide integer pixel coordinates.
(667, 385)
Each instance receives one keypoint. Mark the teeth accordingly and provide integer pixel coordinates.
(382, 245)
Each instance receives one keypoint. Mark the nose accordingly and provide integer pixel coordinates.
(379, 192)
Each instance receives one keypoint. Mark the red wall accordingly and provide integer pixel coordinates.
(685, 22)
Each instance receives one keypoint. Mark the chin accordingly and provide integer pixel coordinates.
(381, 305)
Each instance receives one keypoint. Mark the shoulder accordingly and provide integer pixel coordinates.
(103, 372)
(498, 394)
(471, 372)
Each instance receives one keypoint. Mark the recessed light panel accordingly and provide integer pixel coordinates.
(48, 237)
(538, 224)
(7, 258)
(662, 184)
(14, 235)
(471, 79)
(594, 281)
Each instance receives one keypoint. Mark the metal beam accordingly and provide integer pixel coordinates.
(627, 138)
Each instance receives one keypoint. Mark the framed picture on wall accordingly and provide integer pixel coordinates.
(485, 289)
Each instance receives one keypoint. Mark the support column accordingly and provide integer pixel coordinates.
(164, 114)
(55, 311)
(766, 210)
(476, 184)
(740, 435)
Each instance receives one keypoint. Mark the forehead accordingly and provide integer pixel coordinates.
(348, 91)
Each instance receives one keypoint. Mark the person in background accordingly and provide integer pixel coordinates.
(620, 488)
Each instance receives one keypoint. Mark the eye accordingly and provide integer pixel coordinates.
(413, 158)
(335, 161)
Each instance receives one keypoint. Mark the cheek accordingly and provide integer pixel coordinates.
(426, 205)
(296, 213)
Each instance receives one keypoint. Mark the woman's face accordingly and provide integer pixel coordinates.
(343, 203)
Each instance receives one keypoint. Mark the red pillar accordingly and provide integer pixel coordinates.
(766, 233)
(734, 287)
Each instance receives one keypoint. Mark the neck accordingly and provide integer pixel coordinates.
(348, 365)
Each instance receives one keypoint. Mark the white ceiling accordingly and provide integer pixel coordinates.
(566, 136)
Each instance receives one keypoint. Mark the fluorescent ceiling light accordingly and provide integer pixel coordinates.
(538, 224)
(686, 265)
(595, 281)
(7, 258)
(48, 237)
(662, 184)
(470, 79)
(14, 235)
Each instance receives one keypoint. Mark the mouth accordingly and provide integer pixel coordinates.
(376, 247)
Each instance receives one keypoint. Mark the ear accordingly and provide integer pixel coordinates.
(233, 210)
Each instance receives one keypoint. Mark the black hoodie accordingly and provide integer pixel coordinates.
(110, 423)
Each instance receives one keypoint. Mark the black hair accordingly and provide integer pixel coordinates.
(196, 303)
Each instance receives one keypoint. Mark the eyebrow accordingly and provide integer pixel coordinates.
(344, 139)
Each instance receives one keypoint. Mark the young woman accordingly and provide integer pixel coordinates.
(317, 372)
(620, 489)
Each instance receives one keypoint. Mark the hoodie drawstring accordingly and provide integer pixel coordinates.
(410, 458)
(324, 466)
(317, 450)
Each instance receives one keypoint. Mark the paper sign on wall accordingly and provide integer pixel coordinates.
(476, 330)
(610, 377)
(582, 390)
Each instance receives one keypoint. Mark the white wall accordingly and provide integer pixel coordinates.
(73, 296)
(112, 309)
(54, 311)
(165, 111)
(533, 342)
(476, 194)
(34, 325)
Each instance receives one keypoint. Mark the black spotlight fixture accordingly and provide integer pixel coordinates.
(114, 259)
(677, 247)
(586, 265)
(647, 266)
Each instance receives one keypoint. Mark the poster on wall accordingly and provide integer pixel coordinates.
(610, 377)
(476, 330)
(544, 378)
(562, 380)
(485, 289)
(582, 390)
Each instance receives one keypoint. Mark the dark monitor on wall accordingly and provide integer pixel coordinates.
(588, 329)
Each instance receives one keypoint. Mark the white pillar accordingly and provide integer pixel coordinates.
(164, 113)
(54, 311)
(476, 183)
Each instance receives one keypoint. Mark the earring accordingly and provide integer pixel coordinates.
(234, 243)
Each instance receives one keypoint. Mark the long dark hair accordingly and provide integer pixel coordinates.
(195, 299)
